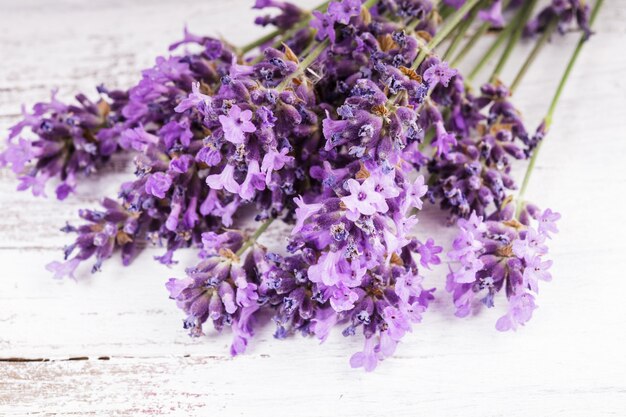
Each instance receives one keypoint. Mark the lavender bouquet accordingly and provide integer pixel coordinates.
(342, 123)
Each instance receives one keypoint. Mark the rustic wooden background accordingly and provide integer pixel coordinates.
(112, 344)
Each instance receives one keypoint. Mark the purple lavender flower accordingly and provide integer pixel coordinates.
(368, 358)
(303, 212)
(64, 142)
(237, 124)
(565, 12)
(547, 222)
(363, 199)
(209, 292)
(493, 14)
(196, 99)
(275, 161)
(224, 180)
(342, 11)
(521, 309)
(18, 155)
(428, 253)
(454, 3)
(221, 288)
(444, 141)
(106, 230)
(361, 265)
(138, 139)
(289, 16)
(536, 270)
(285, 287)
(500, 254)
(158, 184)
(70, 141)
(439, 73)
(325, 25)
(473, 174)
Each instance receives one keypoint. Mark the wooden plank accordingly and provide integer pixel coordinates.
(255, 386)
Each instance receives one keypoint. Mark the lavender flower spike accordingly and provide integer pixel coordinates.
(503, 254)
(64, 141)
(222, 289)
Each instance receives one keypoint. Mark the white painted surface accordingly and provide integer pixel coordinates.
(569, 361)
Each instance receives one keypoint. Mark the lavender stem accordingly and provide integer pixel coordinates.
(458, 38)
(555, 99)
(515, 36)
(252, 239)
(303, 65)
(533, 54)
(475, 37)
(455, 19)
(494, 47)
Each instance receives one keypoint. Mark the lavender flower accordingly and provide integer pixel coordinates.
(564, 12)
(364, 199)
(499, 254)
(112, 227)
(325, 25)
(290, 14)
(64, 142)
(439, 73)
(493, 14)
(237, 124)
(473, 173)
(361, 263)
(169, 198)
(444, 141)
(344, 10)
(221, 288)
(70, 141)
(285, 286)
(158, 184)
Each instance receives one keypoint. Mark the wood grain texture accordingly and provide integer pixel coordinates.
(112, 344)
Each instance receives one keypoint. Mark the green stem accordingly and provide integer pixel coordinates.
(455, 19)
(515, 36)
(428, 138)
(470, 44)
(412, 25)
(308, 48)
(445, 11)
(303, 65)
(370, 3)
(260, 41)
(492, 49)
(549, 30)
(570, 64)
(475, 37)
(460, 33)
(551, 109)
(252, 239)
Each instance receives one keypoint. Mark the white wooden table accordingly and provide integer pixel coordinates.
(112, 344)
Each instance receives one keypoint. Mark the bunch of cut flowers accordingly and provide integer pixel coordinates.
(343, 123)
